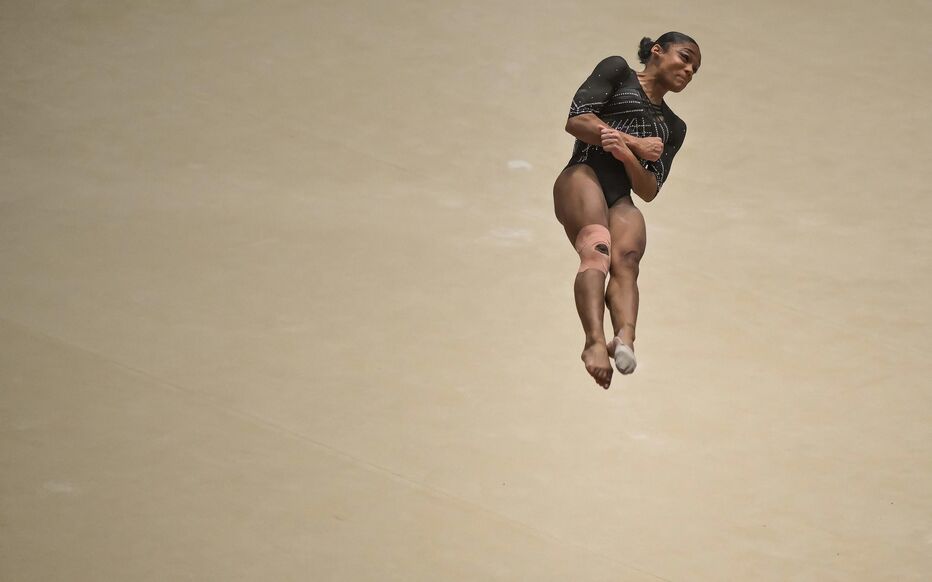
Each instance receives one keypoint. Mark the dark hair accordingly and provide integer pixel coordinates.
(664, 41)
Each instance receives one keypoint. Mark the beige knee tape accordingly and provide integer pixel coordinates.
(594, 245)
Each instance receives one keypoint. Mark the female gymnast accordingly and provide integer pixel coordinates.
(626, 137)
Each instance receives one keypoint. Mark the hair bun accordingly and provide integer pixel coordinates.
(644, 49)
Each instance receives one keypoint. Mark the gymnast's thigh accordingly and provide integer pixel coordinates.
(578, 199)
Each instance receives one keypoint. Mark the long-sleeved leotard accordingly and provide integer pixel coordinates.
(614, 93)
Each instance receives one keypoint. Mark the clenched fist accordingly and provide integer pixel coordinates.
(613, 143)
(646, 148)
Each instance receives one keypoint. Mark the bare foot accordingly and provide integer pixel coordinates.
(596, 358)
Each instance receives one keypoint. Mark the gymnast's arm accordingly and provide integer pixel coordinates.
(644, 183)
(588, 128)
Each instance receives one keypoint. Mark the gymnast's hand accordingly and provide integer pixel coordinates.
(613, 143)
(646, 148)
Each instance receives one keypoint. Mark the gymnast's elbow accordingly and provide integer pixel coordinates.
(570, 126)
(577, 124)
(647, 195)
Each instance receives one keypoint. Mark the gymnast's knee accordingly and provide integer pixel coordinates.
(594, 245)
(626, 262)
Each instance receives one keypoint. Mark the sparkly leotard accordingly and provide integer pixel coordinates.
(614, 93)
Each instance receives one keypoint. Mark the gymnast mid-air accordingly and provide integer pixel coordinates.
(626, 138)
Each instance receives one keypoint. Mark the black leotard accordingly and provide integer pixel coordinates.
(614, 93)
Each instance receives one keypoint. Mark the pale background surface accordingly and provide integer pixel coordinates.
(275, 306)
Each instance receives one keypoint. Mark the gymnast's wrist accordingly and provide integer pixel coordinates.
(627, 156)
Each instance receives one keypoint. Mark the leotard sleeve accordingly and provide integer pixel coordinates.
(595, 92)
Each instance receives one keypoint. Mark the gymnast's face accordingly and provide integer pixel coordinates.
(677, 65)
